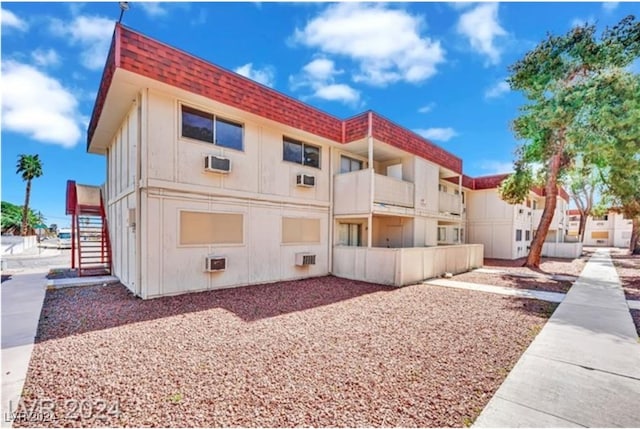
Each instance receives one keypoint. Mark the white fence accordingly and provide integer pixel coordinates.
(404, 266)
(562, 250)
(12, 245)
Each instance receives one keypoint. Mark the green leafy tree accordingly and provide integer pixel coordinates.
(583, 183)
(29, 167)
(12, 218)
(561, 79)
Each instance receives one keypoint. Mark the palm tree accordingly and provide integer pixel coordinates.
(30, 167)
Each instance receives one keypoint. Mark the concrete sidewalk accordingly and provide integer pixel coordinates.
(22, 298)
(583, 369)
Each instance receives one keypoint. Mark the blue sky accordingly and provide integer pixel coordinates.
(435, 68)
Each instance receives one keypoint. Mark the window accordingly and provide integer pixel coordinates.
(300, 230)
(462, 197)
(527, 235)
(456, 192)
(300, 153)
(442, 234)
(207, 127)
(456, 234)
(518, 235)
(462, 236)
(534, 204)
(350, 234)
(605, 217)
(349, 164)
(600, 234)
(442, 188)
(210, 228)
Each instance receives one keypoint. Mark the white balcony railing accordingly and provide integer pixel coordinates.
(449, 203)
(556, 222)
(352, 192)
(392, 191)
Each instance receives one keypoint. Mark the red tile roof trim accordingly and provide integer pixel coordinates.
(142, 55)
(113, 59)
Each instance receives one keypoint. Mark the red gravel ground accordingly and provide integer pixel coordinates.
(628, 267)
(548, 266)
(315, 352)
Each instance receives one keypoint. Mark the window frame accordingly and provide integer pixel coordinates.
(444, 233)
(214, 119)
(351, 161)
(518, 235)
(302, 162)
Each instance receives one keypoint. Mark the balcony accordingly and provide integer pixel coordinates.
(449, 203)
(556, 222)
(352, 192)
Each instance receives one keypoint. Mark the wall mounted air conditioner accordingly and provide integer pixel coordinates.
(217, 164)
(303, 259)
(215, 263)
(305, 180)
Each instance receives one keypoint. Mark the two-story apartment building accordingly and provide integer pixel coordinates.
(214, 180)
(611, 229)
(506, 230)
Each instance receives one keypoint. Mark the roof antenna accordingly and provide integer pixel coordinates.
(124, 6)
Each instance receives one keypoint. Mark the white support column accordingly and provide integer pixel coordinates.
(460, 208)
(372, 179)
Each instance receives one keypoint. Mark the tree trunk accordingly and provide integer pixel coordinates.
(582, 226)
(634, 244)
(25, 210)
(550, 202)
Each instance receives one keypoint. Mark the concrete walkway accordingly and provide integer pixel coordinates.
(22, 299)
(583, 369)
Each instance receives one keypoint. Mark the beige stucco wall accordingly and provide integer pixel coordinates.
(400, 267)
(121, 197)
(262, 257)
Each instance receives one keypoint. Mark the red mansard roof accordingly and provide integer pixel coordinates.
(147, 57)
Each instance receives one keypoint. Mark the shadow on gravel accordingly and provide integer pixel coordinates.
(74, 311)
(6, 277)
(533, 306)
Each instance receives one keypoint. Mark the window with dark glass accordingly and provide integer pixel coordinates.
(518, 235)
(349, 164)
(300, 153)
(207, 127)
(527, 235)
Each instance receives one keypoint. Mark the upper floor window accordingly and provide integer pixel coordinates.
(518, 235)
(442, 188)
(349, 164)
(209, 128)
(300, 153)
(605, 217)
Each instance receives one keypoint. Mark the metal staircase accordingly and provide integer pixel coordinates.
(90, 244)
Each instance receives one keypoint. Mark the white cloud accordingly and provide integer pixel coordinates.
(385, 43)
(45, 58)
(152, 9)
(427, 108)
(438, 134)
(480, 25)
(338, 92)
(9, 19)
(610, 6)
(264, 76)
(497, 90)
(496, 167)
(37, 105)
(321, 69)
(92, 33)
(319, 75)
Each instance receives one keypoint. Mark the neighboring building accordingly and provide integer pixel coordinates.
(506, 230)
(610, 230)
